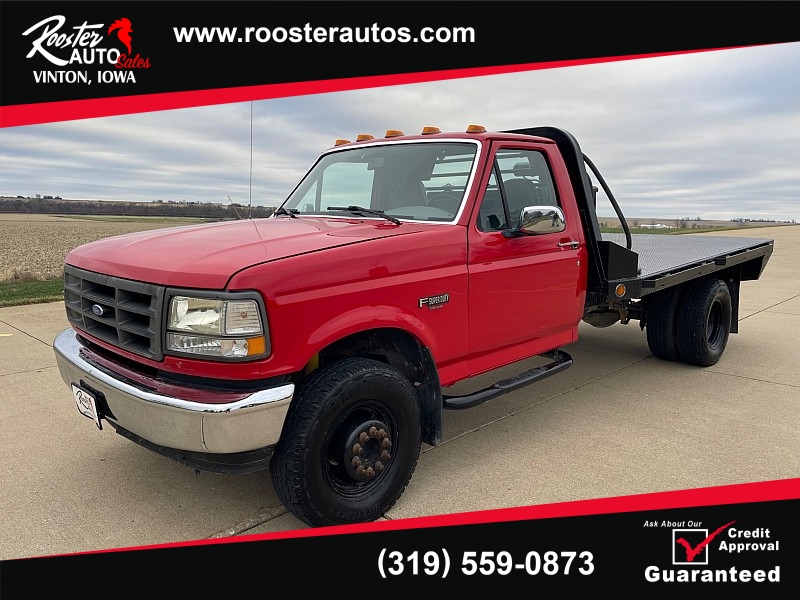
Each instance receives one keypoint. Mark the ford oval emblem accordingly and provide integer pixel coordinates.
(98, 310)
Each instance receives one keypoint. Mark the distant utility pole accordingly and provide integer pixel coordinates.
(236, 210)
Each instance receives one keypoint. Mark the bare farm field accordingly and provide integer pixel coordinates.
(33, 247)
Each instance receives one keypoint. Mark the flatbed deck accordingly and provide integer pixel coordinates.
(666, 260)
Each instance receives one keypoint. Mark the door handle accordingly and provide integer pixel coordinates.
(571, 244)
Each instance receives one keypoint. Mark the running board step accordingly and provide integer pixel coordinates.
(561, 361)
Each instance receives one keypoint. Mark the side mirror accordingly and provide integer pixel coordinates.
(538, 220)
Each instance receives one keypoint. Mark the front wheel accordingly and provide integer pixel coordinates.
(350, 444)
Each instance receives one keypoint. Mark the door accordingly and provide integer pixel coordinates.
(524, 292)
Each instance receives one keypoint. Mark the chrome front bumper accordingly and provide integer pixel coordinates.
(250, 423)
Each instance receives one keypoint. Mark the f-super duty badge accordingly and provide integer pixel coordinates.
(434, 301)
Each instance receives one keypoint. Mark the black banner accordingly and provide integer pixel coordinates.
(751, 544)
(52, 52)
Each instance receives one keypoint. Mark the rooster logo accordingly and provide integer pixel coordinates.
(124, 27)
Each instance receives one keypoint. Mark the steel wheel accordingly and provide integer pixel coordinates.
(704, 322)
(350, 444)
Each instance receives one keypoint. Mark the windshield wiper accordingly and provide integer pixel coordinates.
(366, 211)
(292, 212)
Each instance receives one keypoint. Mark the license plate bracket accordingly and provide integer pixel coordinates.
(87, 404)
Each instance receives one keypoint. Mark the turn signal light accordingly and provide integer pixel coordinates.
(256, 346)
(620, 290)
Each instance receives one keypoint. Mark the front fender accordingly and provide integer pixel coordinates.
(365, 319)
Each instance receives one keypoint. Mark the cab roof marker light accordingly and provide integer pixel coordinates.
(363, 137)
(476, 129)
(341, 142)
(430, 130)
(393, 133)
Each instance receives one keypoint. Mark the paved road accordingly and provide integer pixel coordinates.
(618, 422)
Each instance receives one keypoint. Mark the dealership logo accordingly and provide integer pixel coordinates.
(82, 45)
(123, 28)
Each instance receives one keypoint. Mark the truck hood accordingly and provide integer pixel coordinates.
(206, 256)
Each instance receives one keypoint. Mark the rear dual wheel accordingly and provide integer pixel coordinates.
(662, 327)
(690, 324)
(704, 322)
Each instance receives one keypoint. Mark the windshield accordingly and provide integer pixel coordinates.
(423, 181)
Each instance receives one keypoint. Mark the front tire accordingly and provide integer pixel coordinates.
(704, 322)
(350, 444)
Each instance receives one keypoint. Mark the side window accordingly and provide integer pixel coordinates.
(492, 215)
(520, 178)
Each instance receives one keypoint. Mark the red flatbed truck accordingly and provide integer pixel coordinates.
(319, 343)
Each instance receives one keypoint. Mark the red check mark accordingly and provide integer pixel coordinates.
(692, 552)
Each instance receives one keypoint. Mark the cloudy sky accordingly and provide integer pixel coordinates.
(713, 135)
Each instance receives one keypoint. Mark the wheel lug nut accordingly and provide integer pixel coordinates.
(386, 443)
(385, 455)
(356, 448)
(381, 434)
(373, 431)
(356, 461)
(363, 437)
(379, 466)
(360, 471)
(369, 472)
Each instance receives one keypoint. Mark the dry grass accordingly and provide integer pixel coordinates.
(33, 247)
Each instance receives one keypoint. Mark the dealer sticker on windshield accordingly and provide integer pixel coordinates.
(86, 404)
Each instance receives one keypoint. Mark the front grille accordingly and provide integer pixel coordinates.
(119, 311)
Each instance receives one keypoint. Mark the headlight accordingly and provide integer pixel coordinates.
(225, 328)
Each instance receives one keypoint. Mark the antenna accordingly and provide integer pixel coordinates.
(250, 207)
